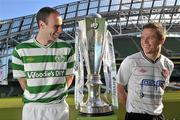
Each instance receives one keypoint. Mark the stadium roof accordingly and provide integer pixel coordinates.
(123, 16)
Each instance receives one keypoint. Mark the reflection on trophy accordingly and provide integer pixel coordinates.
(94, 46)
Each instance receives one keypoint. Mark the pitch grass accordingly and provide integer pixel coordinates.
(10, 108)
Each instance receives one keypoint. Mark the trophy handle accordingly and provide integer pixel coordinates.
(109, 68)
(79, 79)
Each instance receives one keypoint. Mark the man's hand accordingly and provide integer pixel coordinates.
(69, 79)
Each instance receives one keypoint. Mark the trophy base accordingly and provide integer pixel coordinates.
(96, 110)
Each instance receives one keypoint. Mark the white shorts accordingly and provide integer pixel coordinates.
(41, 111)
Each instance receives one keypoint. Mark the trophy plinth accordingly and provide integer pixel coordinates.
(96, 110)
(95, 105)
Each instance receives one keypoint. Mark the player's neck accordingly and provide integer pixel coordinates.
(42, 39)
(153, 56)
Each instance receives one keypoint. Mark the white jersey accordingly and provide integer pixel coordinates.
(146, 82)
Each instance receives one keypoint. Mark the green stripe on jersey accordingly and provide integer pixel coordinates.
(17, 67)
(45, 88)
(70, 65)
(15, 54)
(45, 100)
(61, 45)
(72, 52)
(44, 58)
(27, 45)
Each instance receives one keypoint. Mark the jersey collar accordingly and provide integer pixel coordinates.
(44, 46)
(152, 61)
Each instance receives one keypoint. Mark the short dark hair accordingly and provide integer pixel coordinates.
(160, 30)
(44, 13)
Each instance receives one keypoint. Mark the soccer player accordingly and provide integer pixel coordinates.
(44, 68)
(146, 75)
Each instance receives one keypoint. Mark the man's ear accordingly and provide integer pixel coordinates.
(41, 25)
(162, 40)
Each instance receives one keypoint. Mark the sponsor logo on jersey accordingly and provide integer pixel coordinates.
(30, 59)
(149, 88)
(45, 74)
(155, 83)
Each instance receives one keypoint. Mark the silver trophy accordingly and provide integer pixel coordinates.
(93, 45)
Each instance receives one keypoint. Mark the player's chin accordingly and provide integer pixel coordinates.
(146, 51)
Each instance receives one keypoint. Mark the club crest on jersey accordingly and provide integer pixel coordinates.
(60, 58)
(165, 72)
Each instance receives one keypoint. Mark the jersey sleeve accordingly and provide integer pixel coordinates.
(170, 66)
(124, 72)
(17, 65)
(70, 62)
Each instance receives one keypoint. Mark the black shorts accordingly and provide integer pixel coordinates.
(139, 116)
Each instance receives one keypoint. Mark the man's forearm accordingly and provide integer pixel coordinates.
(122, 95)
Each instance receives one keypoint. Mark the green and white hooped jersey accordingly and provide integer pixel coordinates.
(146, 81)
(45, 69)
